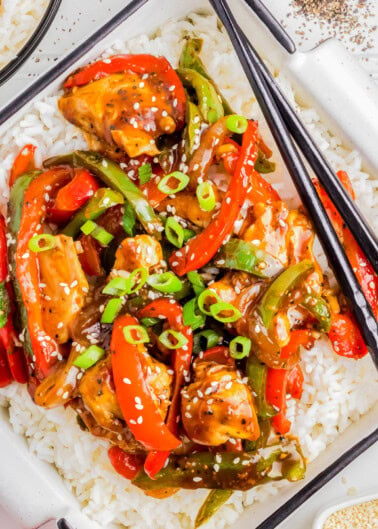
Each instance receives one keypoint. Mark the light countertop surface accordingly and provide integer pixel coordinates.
(76, 20)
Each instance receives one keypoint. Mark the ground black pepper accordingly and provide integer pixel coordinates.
(346, 19)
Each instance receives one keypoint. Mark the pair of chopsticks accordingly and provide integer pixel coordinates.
(285, 125)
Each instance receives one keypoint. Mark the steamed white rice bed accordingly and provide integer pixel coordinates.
(18, 20)
(337, 391)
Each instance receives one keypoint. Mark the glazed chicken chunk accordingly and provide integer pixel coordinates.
(63, 285)
(218, 406)
(142, 251)
(123, 111)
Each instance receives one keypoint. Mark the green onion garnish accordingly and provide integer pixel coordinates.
(207, 297)
(237, 124)
(135, 334)
(174, 232)
(192, 316)
(129, 219)
(136, 280)
(188, 234)
(149, 322)
(179, 340)
(116, 287)
(217, 311)
(111, 310)
(167, 282)
(90, 357)
(145, 173)
(206, 196)
(98, 233)
(182, 178)
(41, 243)
(197, 282)
(240, 347)
(210, 337)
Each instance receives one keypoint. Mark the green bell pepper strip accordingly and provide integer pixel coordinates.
(263, 165)
(208, 100)
(194, 121)
(113, 176)
(103, 199)
(190, 59)
(319, 308)
(257, 372)
(277, 291)
(237, 254)
(196, 471)
(213, 502)
(16, 203)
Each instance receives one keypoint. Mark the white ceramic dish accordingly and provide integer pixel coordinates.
(324, 515)
(26, 483)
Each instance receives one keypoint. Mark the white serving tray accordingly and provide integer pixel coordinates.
(25, 482)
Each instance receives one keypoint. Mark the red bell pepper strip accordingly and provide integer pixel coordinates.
(15, 355)
(298, 337)
(346, 338)
(295, 381)
(90, 256)
(146, 424)
(219, 354)
(181, 358)
(5, 374)
(73, 196)
(276, 387)
(45, 348)
(139, 64)
(200, 249)
(23, 162)
(127, 465)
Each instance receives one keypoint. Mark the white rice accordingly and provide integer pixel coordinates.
(18, 20)
(337, 391)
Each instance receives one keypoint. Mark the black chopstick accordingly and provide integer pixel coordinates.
(309, 196)
(270, 21)
(352, 216)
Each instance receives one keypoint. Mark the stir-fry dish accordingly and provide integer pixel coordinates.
(159, 286)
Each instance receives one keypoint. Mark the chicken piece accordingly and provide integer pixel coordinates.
(58, 387)
(218, 406)
(270, 229)
(142, 251)
(187, 206)
(123, 111)
(64, 287)
(97, 391)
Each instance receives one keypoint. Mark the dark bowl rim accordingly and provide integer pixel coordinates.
(27, 49)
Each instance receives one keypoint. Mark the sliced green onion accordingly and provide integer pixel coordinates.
(88, 227)
(111, 310)
(217, 309)
(98, 233)
(206, 196)
(179, 340)
(90, 357)
(129, 219)
(197, 282)
(136, 280)
(183, 181)
(204, 299)
(240, 347)
(135, 334)
(188, 234)
(116, 287)
(192, 316)
(237, 124)
(149, 322)
(41, 243)
(174, 232)
(167, 282)
(144, 173)
(210, 337)
(102, 236)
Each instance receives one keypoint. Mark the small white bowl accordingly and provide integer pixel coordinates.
(324, 515)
